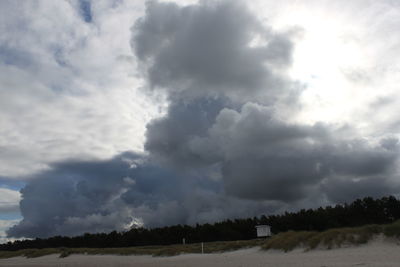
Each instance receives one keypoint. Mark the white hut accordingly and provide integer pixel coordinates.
(263, 230)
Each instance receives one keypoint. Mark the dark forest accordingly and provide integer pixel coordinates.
(360, 212)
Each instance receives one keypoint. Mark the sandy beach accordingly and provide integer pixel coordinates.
(376, 253)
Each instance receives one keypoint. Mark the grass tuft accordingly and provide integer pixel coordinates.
(289, 240)
(392, 230)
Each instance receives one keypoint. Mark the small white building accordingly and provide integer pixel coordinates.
(263, 230)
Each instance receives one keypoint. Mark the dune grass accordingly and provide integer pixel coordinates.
(392, 230)
(30, 253)
(286, 241)
(332, 238)
(171, 250)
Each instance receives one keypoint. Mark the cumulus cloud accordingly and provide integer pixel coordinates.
(207, 57)
(75, 197)
(262, 157)
(265, 158)
(229, 144)
(348, 188)
(211, 49)
(4, 225)
(67, 82)
(9, 200)
(203, 56)
(172, 139)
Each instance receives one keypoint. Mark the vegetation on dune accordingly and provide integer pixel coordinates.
(308, 224)
(392, 230)
(288, 240)
(285, 241)
(170, 250)
(332, 238)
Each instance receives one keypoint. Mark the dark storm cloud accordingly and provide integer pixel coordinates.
(263, 157)
(390, 143)
(70, 190)
(96, 196)
(346, 189)
(207, 49)
(172, 138)
(221, 50)
(223, 149)
(207, 57)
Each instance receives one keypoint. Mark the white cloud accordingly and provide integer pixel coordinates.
(348, 58)
(4, 225)
(9, 200)
(67, 87)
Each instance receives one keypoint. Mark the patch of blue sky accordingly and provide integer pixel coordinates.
(10, 216)
(86, 10)
(15, 57)
(11, 184)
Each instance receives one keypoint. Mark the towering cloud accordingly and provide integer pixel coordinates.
(228, 145)
(207, 57)
(224, 73)
(213, 49)
(75, 197)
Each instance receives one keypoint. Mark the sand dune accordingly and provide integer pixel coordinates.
(376, 253)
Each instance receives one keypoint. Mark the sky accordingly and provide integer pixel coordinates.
(117, 114)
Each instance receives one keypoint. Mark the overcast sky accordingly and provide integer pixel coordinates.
(118, 113)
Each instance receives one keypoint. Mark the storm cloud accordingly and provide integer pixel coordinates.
(226, 106)
(127, 191)
(229, 144)
(211, 49)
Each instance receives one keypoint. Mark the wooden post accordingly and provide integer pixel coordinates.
(202, 248)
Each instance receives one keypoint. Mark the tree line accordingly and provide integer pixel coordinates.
(360, 212)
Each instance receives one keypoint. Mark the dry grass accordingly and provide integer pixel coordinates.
(329, 239)
(392, 230)
(286, 241)
(29, 253)
(210, 247)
